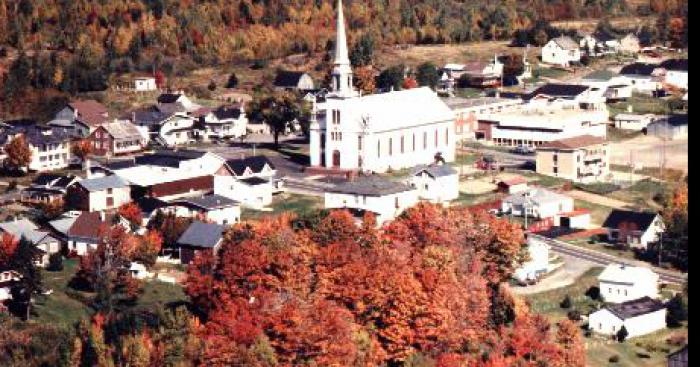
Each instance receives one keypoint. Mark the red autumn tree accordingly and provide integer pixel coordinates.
(18, 153)
(339, 293)
(82, 149)
(8, 245)
(409, 83)
(132, 213)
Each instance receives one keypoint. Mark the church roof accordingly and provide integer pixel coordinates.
(397, 110)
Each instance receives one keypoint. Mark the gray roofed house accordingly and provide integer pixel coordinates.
(435, 170)
(566, 43)
(254, 165)
(537, 195)
(634, 308)
(537, 203)
(207, 202)
(43, 240)
(103, 183)
(372, 185)
(202, 235)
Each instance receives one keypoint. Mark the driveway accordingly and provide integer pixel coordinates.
(566, 275)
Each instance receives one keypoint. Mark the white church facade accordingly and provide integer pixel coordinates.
(380, 132)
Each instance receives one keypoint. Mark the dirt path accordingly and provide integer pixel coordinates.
(598, 199)
(566, 275)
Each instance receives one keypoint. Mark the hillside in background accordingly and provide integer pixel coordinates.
(74, 46)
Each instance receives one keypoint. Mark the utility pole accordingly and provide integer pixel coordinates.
(661, 246)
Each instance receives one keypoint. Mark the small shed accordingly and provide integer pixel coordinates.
(513, 185)
(577, 219)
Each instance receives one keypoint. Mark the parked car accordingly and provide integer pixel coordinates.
(523, 149)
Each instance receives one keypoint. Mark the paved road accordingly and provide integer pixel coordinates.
(603, 259)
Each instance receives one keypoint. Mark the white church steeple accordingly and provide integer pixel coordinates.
(342, 71)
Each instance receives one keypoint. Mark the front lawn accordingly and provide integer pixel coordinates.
(650, 350)
(66, 306)
(286, 202)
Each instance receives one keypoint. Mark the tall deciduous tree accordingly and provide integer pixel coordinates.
(279, 111)
(19, 155)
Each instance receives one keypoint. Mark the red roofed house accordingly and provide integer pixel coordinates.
(82, 116)
(84, 231)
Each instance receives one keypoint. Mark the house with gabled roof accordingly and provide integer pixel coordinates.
(81, 116)
(372, 193)
(436, 183)
(50, 146)
(83, 231)
(45, 243)
(224, 122)
(676, 73)
(643, 77)
(214, 208)
(118, 137)
(639, 317)
(537, 203)
(199, 237)
(620, 283)
(251, 181)
(47, 188)
(562, 51)
(101, 193)
(634, 229)
(293, 80)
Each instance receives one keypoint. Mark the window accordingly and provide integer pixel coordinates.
(555, 157)
(402, 144)
(110, 202)
(414, 142)
(379, 149)
(425, 140)
(109, 191)
(555, 170)
(447, 136)
(359, 142)
(391, 146)
(436, 138)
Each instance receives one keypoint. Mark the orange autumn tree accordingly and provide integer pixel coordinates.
(339, 293)
(82, 149)
(18, 153)
(8, 246)
(132, 213)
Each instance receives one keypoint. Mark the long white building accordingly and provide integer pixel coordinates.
(380, 132)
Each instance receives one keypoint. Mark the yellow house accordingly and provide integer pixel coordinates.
(580, 159)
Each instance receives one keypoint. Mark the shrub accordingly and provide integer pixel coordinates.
(622, 334)
(593, 293)
(232, 81)
(259, 64)
(55, 262)
(677, 311)
(212, 86)
(574, 315)
(614, 359)
(566, 303)
(11, 186)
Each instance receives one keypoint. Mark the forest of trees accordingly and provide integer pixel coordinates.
(315, 290)
(74, 46)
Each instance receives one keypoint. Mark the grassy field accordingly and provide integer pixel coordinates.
(616, 135)
(641, 104)
(67, 306)
(598, 212)
(286, 202)
(643, 193)
(647, 351)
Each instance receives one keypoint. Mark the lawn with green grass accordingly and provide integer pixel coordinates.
(647, 351)
(644, 193)
(542, 180)
(598, 212)
(66, 306)
(641, 104)
(286, 202)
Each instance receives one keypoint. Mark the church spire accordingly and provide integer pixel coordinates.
(341, 40)
(342, 72)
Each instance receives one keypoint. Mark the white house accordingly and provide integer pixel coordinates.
(643, 77)
(379, 132)
(620, 283)
(386, 199)
(101, 193)
(225, 122)
(676, 73)
(213, 208)
(435, 183)
(562, 51)
(634, 229)
(84, 231)
(50, 147)
(577, 219)
(537, 203)
(144, 84)
(639, 317)
(616, 87)
(43, 240)
(537, 263)
(251, 182)
(8, 278)
(627, 121)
